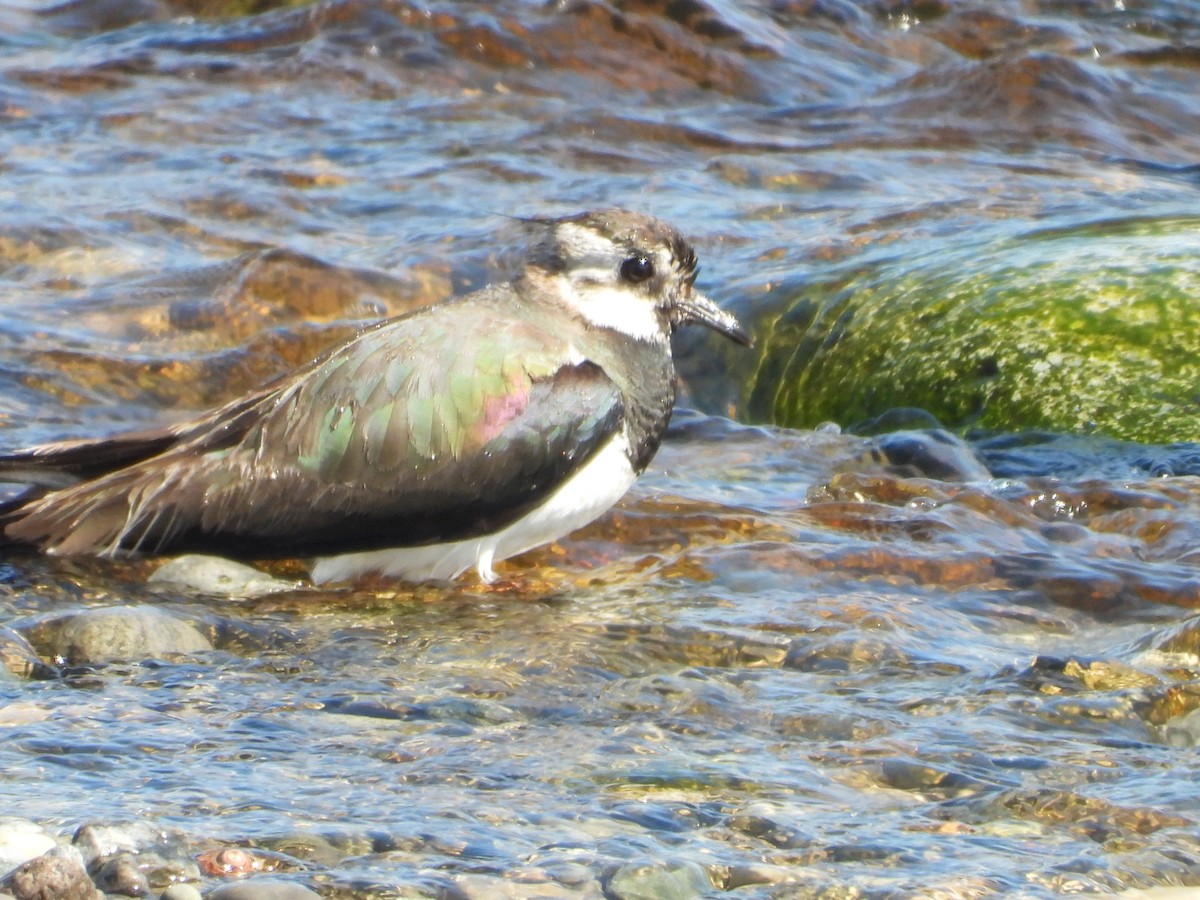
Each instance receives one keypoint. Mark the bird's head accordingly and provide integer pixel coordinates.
(628, 272)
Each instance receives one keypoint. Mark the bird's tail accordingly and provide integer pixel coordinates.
(47, 468)
(98, 495)
(60, 464)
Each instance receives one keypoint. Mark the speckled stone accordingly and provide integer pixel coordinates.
(57, 875)
(125, 633)
(217, 577)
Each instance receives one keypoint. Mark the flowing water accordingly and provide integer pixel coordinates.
(856, 659)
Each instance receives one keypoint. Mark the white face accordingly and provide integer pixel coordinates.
(597, 283)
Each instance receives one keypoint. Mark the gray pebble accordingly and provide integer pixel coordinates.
(758, 873)
(98, 842)
(1184, 731)
(217, 577)
(163, 870)
(122, 875)
(932, 453)
(486, 887)
(125, 633)
(262, 889)
(659, 881)
(180, 892)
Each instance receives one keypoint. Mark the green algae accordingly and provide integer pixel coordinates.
(1088, 330)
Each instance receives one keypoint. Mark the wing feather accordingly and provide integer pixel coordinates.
(381, 444)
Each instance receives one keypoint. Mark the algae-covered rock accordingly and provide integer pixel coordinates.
(1091, 330)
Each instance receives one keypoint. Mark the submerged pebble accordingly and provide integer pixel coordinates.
(229, 861)
(122, 874)
(262, 889)
(119, 633)
(659, 881)
(930, 453)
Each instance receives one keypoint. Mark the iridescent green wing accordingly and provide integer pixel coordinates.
(412, 397)
(433, 427)
(396, 441)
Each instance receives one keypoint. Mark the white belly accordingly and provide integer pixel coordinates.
(579, 500)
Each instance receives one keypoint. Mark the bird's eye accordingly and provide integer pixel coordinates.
(637, 268)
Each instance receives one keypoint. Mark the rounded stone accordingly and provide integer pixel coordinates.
(122, 875)
(1080, 330)
(180, 892)
(262, 889)
(96, 842)
(57, 875)
(126, 634)
(659, 881)
(216, 577)
(931, 453)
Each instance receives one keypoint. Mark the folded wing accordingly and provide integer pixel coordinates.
(382, 443)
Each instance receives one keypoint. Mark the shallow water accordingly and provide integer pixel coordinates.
(792, 662)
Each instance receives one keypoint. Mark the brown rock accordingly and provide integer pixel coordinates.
(57, 875)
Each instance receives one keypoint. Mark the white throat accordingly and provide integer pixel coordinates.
(610, 306)
(592, 290)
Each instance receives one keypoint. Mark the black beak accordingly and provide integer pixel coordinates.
(700, 310)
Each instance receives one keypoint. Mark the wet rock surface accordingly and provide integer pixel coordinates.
(1074, 330)
(55, 875)
(217, 577)
(262, 890)
(118, 633)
